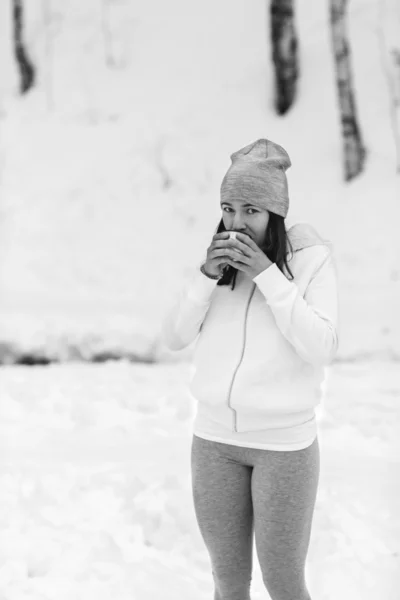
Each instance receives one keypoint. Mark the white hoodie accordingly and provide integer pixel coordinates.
(262, 347)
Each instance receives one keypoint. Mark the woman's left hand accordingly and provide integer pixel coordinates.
(253, 261)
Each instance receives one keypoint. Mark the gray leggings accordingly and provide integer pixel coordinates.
(240, 492)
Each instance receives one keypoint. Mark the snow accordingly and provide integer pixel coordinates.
(95, 485)
(111, 167)
(109, 183)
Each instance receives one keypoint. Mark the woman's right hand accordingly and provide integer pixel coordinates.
(217, 253)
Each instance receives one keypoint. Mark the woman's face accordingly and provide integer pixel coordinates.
(241, 215)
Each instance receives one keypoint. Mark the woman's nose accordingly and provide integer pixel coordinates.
(237, 222)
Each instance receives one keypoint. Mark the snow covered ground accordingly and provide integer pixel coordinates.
(95, 486)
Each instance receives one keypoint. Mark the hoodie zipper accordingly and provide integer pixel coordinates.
(241, 359)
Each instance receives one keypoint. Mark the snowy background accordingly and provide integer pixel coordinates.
(109, 196)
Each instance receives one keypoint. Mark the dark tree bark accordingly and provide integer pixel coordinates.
(26, 68)
(354, 150)
(284, 53)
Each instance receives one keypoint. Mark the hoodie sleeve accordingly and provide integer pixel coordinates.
(183, 321)
(309, 323)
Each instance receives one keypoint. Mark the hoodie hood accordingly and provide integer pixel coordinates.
(303, 235)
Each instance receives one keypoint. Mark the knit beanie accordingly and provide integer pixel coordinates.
(257, 175)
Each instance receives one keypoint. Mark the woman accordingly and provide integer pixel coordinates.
(264, 310)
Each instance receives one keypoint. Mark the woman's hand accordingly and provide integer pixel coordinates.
(216, 259)
(252, 262)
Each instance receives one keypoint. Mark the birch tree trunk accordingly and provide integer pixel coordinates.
(354, 150)
(388, 31)
(284, 53)
(396, 105)
(26, 69)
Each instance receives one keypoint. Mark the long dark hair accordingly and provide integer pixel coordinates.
(276, 246)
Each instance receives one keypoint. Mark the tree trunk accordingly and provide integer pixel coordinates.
(388, 31)
(354, 150)
(395, 99)
(284, 53)
(26, 69)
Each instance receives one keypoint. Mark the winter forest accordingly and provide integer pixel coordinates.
(117, 120)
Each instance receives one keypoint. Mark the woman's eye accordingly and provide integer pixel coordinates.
(252, 209)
